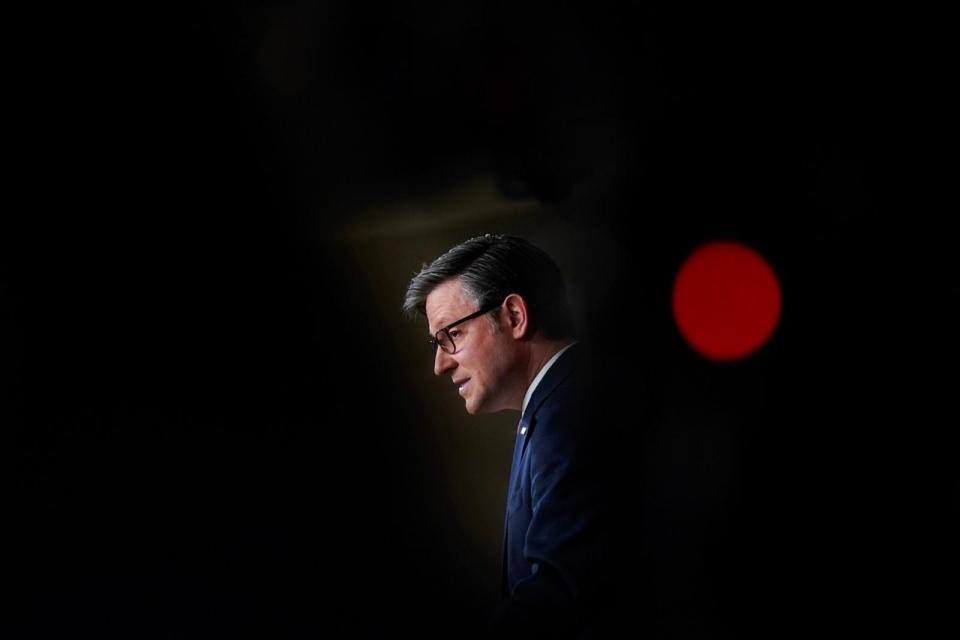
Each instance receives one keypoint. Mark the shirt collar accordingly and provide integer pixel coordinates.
(540, 375)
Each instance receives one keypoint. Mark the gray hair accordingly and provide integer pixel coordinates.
(491, 267)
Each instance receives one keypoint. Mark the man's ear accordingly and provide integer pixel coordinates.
(518, 317)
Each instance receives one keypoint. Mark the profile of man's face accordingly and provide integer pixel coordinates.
(480, 365)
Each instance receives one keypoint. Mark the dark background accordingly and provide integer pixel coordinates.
(219, 425)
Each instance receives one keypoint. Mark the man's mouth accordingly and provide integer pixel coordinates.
(461, 384)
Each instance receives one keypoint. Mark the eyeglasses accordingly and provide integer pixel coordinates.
(444, 339)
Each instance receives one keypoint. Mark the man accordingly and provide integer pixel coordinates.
(503, 332)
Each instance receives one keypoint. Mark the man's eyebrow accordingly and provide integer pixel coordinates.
(434, 333)
(441, 323)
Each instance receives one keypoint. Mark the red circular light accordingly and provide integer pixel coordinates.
(726, 301)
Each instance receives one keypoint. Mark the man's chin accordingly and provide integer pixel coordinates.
(481, 409)
(475, 408)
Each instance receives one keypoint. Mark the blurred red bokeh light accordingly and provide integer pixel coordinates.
(726, 301)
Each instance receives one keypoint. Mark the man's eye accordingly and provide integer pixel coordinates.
(454, 333)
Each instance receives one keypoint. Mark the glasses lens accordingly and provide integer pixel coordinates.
(445, 341)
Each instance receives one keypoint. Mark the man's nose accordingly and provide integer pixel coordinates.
(442, 362)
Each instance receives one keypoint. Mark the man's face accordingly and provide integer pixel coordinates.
(484, 358)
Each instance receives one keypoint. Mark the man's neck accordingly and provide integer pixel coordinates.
(540, 355)
(538, 366)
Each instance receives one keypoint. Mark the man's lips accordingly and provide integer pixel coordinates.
(461, 383)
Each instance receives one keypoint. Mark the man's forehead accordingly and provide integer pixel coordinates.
(446, 304)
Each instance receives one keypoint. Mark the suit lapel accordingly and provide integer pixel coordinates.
(559, 372)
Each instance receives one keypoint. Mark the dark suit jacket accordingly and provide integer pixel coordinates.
(563, 531)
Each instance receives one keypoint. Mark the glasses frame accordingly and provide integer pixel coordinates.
(435, 340)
